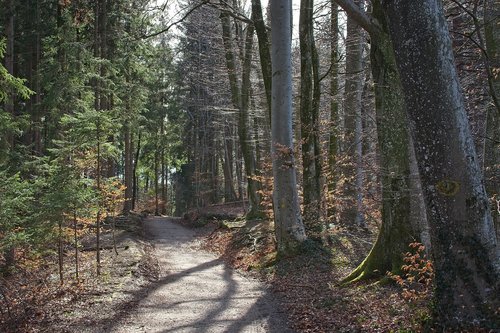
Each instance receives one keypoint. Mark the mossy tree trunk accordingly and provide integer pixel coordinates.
(396, 231)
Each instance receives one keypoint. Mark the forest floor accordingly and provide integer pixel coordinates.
(307, 285)
(163, 282)
(209, 272)
(33, 299)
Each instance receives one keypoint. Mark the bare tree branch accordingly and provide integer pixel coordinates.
(167, 28)
(364, 20)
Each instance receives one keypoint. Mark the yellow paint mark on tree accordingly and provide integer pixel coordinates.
(448, 187)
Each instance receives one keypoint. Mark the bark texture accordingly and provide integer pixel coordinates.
(352, 114)
(309, 119)
(492, 135)
(333, 145)
(464, 245)
(396, 232)
(288, 221)
(264, 50)
(127, 205)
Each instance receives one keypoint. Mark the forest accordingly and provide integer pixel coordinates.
(342, 156)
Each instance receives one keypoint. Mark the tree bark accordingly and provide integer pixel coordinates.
(402, 220)
(396, 231)
(227, 165)
(309, 119)
(264, 50)
(9, 253)
(464, 245)
(290, 231)
(129, 188)
(9, 66)
(334, 138)
(352, 114)
(75, 238)
(135, 184)
(155, 178)
(491, 153)
(97, 106)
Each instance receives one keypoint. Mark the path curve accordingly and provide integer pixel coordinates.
(197, 292)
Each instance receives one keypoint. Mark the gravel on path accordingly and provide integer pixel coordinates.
(197, 292)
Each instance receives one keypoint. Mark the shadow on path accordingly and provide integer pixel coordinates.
(207, 296)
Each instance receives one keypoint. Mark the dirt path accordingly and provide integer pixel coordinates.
(196, 292)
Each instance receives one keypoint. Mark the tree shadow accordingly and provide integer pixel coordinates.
(219, 312)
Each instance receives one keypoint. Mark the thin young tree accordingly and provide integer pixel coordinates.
(240, 99)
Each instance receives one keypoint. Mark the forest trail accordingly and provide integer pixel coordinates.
(197, 292)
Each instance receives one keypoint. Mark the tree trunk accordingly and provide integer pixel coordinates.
(396, 231)
(309, 111)
(418, 211)
(75, 236)
(37, 119)
(9, 66)
(334, 138)
(129, 175)
(264, 50)
(227, 165)
(241, 100)
(135, 184)
(464, 245)
(155, 179)
(97, 106)
(288, 221)
(492, 136)
(9, 253)
(352, 111)
(162, 168)
(60, 253)
(98, 217)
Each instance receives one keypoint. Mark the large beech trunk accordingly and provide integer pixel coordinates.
(396, 232)
(287, 218)
(464, 245)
